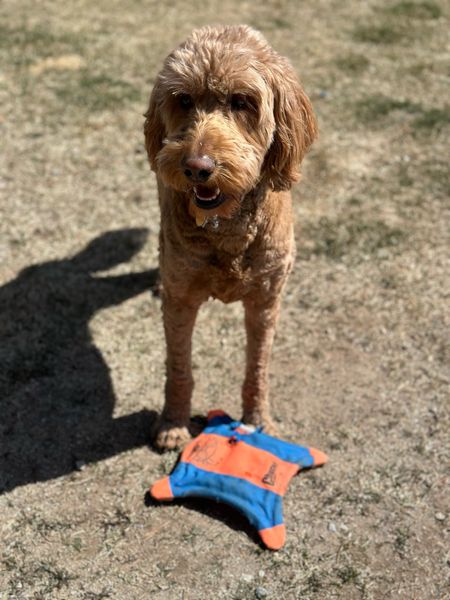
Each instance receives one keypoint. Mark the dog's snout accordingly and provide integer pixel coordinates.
(199, 168)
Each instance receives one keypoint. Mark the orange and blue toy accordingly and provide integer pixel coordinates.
(243, 467)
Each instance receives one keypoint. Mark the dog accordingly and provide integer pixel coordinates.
(227, 127)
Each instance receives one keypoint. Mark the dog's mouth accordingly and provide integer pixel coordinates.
(207, 198)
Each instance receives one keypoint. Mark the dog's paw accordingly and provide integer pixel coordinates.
(258, 420)
(269, 427)
(170, 436)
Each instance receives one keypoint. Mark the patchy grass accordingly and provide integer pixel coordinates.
(437, 176)
(350, 236)
(348, 574)
(352, 63)
(24, 44)
(45, 577)
(400, 23)
(384, 33)
(415, 10)
(372, 109)
(402, 536)
(280, 23)
(432, 119)
(94, 92)
(56, 577)
(404, 176)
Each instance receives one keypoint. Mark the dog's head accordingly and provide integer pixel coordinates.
(226, 113)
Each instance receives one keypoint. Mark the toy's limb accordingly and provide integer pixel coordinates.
(319, 457)
(274, 537)
(161, 489)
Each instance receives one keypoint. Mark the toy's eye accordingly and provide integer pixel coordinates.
(240, 102)
(185, 101)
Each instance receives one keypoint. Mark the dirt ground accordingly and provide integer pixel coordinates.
(361, 362)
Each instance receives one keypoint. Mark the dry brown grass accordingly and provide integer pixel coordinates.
(361, 362)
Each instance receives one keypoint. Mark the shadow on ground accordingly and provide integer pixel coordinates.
(56, 394)
(218, 511)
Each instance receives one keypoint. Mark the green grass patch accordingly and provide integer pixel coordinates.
(352, 63)
(314, 583)
(404, 177)
(374, 108)
(336, 239)
(434, 118)
(94, 92)
(437, 175)
(420, 69)
(25, 44)
(377, 106)
(379, 34)
(348, 574)
(271, 24)
(282, 24)
(397, 23)
(52, 578)
(402, 536)
(415, 10)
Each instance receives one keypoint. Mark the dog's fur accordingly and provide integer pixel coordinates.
(225, 95)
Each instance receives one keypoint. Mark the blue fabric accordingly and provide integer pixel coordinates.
(225, 426)
(262, 507)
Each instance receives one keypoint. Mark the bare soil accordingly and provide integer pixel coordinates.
(361, 366)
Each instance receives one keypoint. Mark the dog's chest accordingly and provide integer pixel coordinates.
(229, 262)
(231, 277)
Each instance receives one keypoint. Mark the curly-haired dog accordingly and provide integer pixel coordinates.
(227, 127)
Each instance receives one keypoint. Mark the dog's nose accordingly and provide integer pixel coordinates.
(199, 168)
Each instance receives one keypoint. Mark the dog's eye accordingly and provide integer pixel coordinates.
(185, 101)
(239, 102)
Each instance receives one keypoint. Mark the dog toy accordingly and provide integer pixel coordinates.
(243, 467)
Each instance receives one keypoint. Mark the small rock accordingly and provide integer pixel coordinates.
(247, 578)
(261, 592)
(439, 516)
(332, 527)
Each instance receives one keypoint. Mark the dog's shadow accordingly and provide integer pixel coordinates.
(56, 394)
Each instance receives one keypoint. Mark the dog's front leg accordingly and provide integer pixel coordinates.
(260, 322)
(179, 316)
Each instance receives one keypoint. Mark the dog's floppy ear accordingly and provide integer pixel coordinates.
(295, 128)
(154, 130)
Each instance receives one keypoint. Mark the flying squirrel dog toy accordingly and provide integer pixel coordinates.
(241, 466)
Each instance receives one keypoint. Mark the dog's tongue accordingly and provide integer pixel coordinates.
(204, 193)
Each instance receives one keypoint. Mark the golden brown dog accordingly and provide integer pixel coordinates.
(227, 127)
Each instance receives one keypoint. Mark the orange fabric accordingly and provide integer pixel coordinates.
(161, 490)
(274, 537)
(320, 458)
(216, 454)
